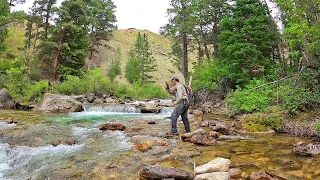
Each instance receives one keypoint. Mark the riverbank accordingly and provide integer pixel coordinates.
(90, 153)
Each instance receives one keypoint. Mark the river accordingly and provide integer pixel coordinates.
(71, 146)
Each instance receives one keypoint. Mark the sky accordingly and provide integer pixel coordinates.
(140, 14)
(143, 14)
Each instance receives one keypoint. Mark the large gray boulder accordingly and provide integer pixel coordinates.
(216, 165)
(159, 173)
(6, 101)
(306, 150)
(55, 103)
(213, 176)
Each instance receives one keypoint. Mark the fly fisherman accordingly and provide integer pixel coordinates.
(181, 105)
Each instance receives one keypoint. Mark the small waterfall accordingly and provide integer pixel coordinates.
(111, 108)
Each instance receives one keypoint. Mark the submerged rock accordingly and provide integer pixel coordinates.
(306, 150)
(213, 176)
(6, 101)
(114, 126)
(216, 165)
(150, 121)
(56, 103)
(265, 176)
(158, 173)
(11, 120)
(235, 173)
(196, 112)
(64, 141)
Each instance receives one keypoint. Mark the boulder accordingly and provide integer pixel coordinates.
(90, 97)
(235, 173)
(187, 136)
(158, 173)
(114, 126)
(98, 101)
(265, 176)
(55, 103)
(213, 176)
(216, 165)
(196, 112)
(109, 100)
(6, 101)
(203, 140)
(149, 108)
(220, 127)
(306, 150)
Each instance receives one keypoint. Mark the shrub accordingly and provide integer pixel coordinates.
(210, 75)
(317, 127)
(250, 100)
(75, 85)
(35, 91)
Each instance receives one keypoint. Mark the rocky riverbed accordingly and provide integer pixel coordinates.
(71, 146)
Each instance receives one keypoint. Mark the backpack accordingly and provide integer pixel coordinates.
(189, 93)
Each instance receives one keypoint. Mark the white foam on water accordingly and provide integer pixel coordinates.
(84, 132)
(112, 108)
(23, 161)
(6, 125)
(117, 140)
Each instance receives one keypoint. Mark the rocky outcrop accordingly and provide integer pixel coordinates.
(213, 176)
(265, 176)
(55, 103)
(113, 126)
(158, 173)
(6, 101)
(306, 150)
(216, 165)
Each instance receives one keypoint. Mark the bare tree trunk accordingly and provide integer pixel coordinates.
(215, 39)
(37, 32)
(56, 59)
(92, 44)
(184, 42)
(206, 50)
(47, 19)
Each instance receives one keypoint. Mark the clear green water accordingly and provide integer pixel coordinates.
(26, 151)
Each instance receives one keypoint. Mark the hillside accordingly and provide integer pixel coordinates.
(124, 39)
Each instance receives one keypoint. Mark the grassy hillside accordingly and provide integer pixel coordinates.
(124, 39)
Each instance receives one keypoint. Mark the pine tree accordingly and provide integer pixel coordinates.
(141, 61)
(179, 29)
(246, 40)
(102, 22)
(115, 66)
(4, 16)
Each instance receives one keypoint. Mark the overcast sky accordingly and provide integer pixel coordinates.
(139, 14)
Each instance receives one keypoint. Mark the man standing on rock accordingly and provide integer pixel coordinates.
(181, 105)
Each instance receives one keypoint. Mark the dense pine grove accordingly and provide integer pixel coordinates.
(242, 52)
